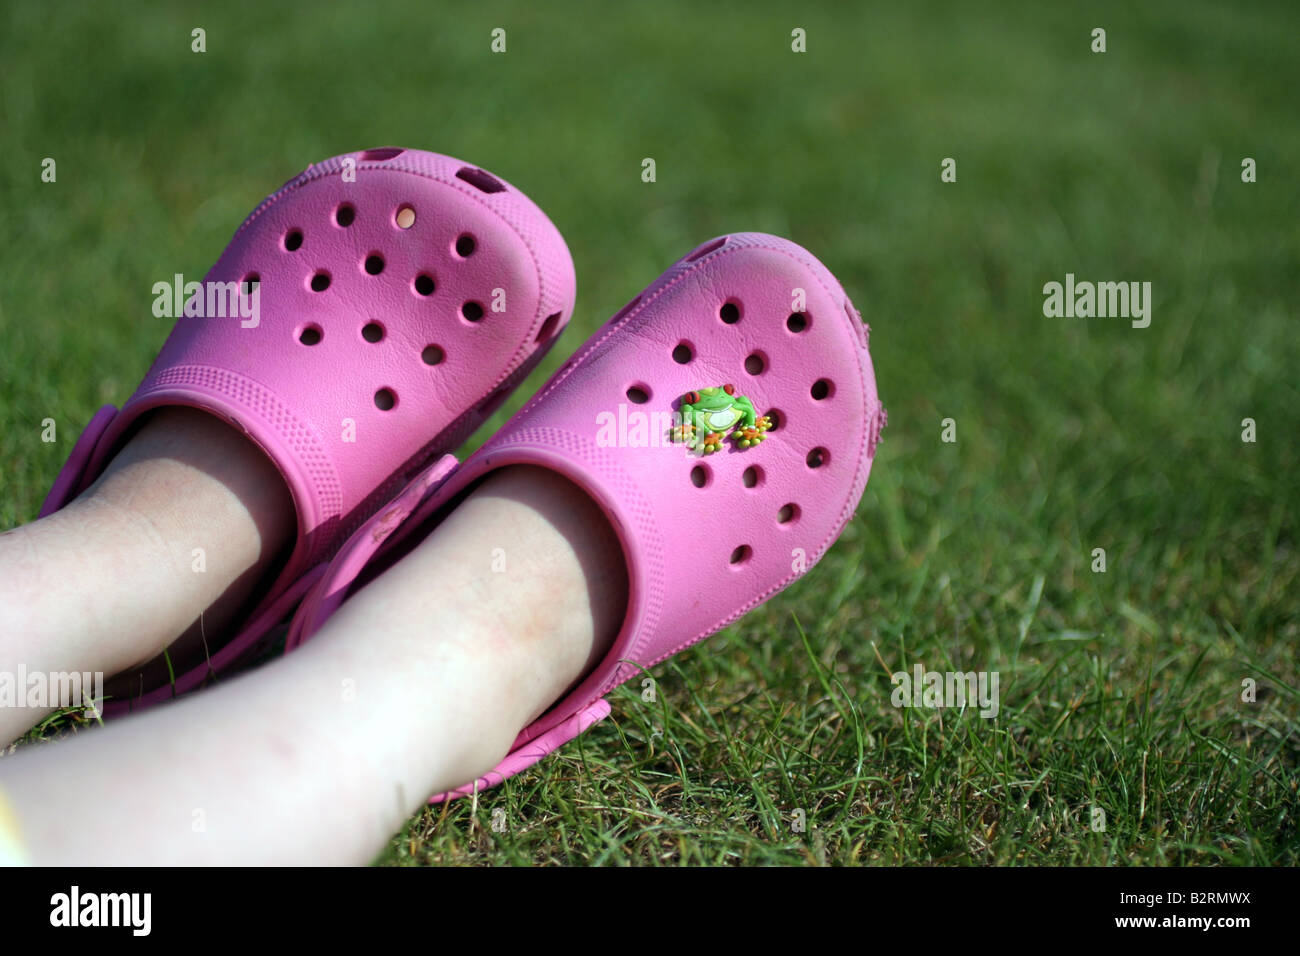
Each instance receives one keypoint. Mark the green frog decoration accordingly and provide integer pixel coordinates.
(710, 415)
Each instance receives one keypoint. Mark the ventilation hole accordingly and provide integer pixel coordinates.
(797, 322)
(682, 354)
(424, 284)
(372, 332)
(381, 154)
(345, 215)
(638, 394)
(699, 476)
(310, 335)
(776, 418)
(472, 311)
(548, 327)
(293, 240)
(465, 246)
(251, 282)
(480, 180)
(751, 476)
(705, 249)
(374, 264)
(741, 554)
(818, 457)
(754, 364)
(821, 389)
(787, 513)
(729, 313)
(432, 355)
(385, 399)
(405, 217)
(320, 282)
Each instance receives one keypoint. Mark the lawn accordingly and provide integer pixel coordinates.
(1122, 736)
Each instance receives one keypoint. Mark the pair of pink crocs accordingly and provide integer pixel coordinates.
(728, 412)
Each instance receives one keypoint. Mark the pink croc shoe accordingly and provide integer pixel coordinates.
(725, 420)
(379, 306)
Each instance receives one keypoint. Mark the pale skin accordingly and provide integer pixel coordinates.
(417, 685)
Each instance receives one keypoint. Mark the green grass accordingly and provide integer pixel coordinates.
(1119, 690)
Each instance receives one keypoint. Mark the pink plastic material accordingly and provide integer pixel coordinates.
(359, 307)
(698, 557)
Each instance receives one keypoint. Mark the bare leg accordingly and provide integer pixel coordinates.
(417, 685)
(110, 581)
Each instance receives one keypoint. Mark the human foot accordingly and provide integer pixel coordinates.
(376, 309)
(703, 539)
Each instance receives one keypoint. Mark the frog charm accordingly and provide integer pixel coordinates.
(710, 415)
